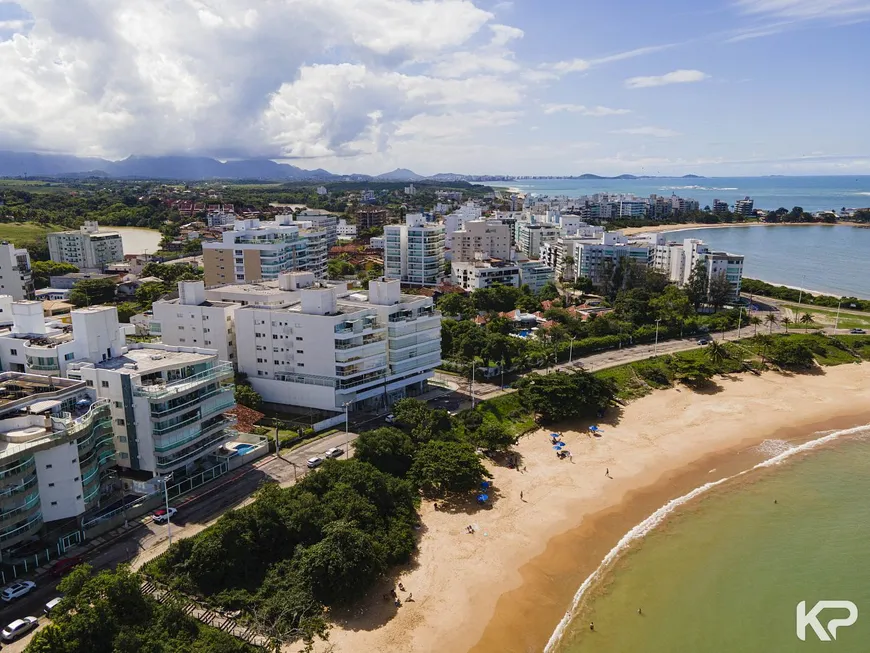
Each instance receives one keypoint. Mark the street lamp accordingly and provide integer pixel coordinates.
(656, 345)
(571, 353)
(473, 363)
(346, 405)
(739, 322)
(166, 480)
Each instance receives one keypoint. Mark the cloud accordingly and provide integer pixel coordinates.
(492, 57)
(675, 77)
(659, 132)
(116, 77)
(806, 9)
(582, 65)
(595, 112)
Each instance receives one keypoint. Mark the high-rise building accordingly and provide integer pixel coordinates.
(369, 217)
(255, 250)
(679, 259)
(414, 251)
(744, 207)
(720, 207)
(319, 219)
(481, 239)
(15, 272)
(530, 236)
(88, 248)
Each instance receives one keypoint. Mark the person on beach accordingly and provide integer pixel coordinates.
(607, 472)
(640, 611)
(401, 587)
(410, 597)
(592, 626)
(521, 496)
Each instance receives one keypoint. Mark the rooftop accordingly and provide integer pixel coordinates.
(149, 359)
(19, 390)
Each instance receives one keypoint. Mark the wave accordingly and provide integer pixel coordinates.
(648, 524)
(865, 194)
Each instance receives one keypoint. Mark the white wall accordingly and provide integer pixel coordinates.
(59, 479)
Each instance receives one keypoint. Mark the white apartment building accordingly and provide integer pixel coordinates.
(744, 207)
(319, 219)
(88, 248)
(474, 275)
(346, 230)
(167, 405)
(254, 250)
(454, 222)
(191, 320)
(679, 259)
(220, 218)
(529, 237)
(414, 251)
(593, 257)
(327, 347)
(481, 239)
(535, 275)
(56, 451)
(31, 345)
(572, 226)
(15, 272)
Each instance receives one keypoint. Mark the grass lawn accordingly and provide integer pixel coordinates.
(23, 231)
(507, 411)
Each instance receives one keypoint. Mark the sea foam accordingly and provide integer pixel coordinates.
(648, 524)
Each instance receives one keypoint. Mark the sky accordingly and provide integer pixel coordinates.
(517, 87)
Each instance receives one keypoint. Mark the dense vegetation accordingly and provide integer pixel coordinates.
(755, 287)
(108, 613)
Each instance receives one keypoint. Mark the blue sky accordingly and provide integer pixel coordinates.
(734, 87)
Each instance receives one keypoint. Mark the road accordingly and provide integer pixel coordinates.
(196, 511)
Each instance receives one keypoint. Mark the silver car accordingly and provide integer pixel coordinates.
(18, 627)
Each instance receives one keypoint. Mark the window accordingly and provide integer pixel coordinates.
(48, 466)
(51, 485)
(208, 342)
(54, 503)
(180, 314)
(69, 356)
(13, 352)
(122, 438)
(301, 364)
(75, 460)
(182, 340)
(104, 384)
(181, 328)
(299, 351)
(118, 404)
(124, 455)
(75, 479)
(89, 383)
(120, 422)
(78, 496)
(299, 337)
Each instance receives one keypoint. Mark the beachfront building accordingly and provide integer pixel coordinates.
(254, 250)
(481, 239)
(474, 275)
(678, 259)
(36, 346)
(325, 346)
(15, 272)
(535, 274)
(88, 248)
(167, 406)
(456, 220)
(414, 251)
(744, 207)
(530, 236)
(720, 207)
(594, 257)
(191, 320)
(56, 454)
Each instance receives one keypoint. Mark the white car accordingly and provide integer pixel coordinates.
(18, 627)
(17, 590)
(389, 419)
(161, 516)
(335, 452)
(317, 461)
(51, 605)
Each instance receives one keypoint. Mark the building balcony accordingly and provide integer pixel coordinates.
(371, 378)
(10, 492)
(350, 372)
(424, 362)
(25, 507)
(157, 391)
(430, 347)
(357, 353)
(166, 464)
(20, 532)
(189, 435)
(220, 391)
(17, 469)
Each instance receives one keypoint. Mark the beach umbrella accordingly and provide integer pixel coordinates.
(482, 497)
(555, 435)
(484, 485)
(558, 447)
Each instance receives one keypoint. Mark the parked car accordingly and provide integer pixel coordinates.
(389, 419)
(63, 567)
(51, 605)
(335, 452)
(18, 627)
(858, 332)
(17, 590)
(703, 341)
(317, 461)
(162, 515)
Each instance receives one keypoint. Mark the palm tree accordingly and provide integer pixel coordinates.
(807, 318)
(756, 322)
(771, 320)
(785, 322)
(717, 353)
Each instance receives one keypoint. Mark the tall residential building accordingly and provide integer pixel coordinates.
(255, 250)
(326, 347)
(88, 248)
(414, 251)
(530, 236)
(535, 275)
(319, 219)
(15, 272)
(679, 259)
(474, 275)
(369, 217)
(191, 320)
(744, 207)
(167, 406)
(56, 451)
(720, 207)
(455, 221)
(633, 208)
(481, 239)
(30, 345)
(593, 257)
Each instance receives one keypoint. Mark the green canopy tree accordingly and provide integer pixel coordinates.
(42, 270)
(720, 291)
(696, 288)
(565, 395)
(92, 292)
(790, 353)
(672, 307)
(422, 422)
(150, 292)
(389, 449)
(447, 468)
(492, 436)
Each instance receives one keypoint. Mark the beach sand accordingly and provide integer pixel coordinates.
(504, 588)
(629, 231)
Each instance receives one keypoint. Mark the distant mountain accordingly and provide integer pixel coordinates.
(400, 174)
(692, 177)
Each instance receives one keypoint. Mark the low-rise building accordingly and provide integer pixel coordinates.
(369, 217)
(346, 230)
(474, 275)
(88, 248)
(67, 281)
(15, 272)
(530, 236)
(535, 275)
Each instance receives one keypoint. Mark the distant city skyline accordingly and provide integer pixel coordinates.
(510, 87)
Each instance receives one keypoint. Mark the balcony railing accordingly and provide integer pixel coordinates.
(29, 502)
(160, 390)
(194, 401)
(23, 530)
(224, 435)
(15, 490)
(18, 469)
(189, 435)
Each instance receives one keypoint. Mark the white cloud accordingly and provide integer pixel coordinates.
(675, 77)
(806, 9)
(595, 112)
(493, 57)
(659, 132)
(582, 65)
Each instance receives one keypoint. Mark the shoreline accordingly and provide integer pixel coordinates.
(658, 228)
(506, 587)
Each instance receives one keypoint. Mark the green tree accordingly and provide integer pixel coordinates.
(42, 270)
(389, 449)
(568, 267)
(247, 396)
(192, 247)
(455, 304)
(92, 292)
(720, 291)
(149, 292)
(422, 422)
(786, 321)
(690, 371)
(790, 353)
(492, 436)
(444, 468)
(126, 310)
(771, 320)
(717, 353)
(696, 288)
(756, 322)
(807, 318)
(565, 395)
(672, 307)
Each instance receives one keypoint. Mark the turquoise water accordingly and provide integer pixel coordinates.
(834, 260)
(811, 193)
(724, 572)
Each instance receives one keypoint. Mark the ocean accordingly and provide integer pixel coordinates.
(834, 260)
(724, 568)
(810, 193)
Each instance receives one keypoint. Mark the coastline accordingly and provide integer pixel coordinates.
(507, 586)
(630, 231)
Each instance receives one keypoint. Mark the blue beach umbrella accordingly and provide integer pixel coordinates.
(558, 447)
(484, 485)
(482, 497)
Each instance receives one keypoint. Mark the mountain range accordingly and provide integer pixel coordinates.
(197, 168)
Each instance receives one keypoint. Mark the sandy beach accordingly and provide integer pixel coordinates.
(505, 587)
(628, 231)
